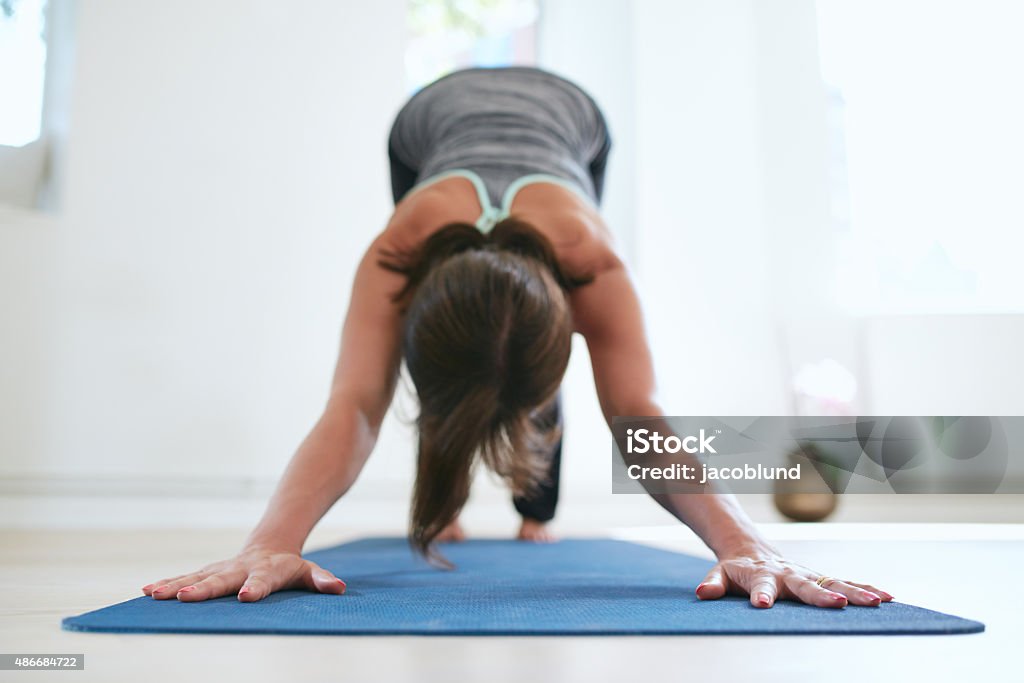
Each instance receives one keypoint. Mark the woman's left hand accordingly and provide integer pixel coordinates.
(766, 577)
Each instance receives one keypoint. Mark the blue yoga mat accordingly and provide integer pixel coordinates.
(572, 587)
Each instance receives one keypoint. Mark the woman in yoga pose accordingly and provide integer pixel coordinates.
(494, 257)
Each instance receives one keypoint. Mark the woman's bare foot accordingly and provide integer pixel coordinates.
(452, 533)
(534, 531)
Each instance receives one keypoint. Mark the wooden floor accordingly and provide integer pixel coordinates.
(968, 569)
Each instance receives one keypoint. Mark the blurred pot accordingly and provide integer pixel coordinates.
(810, 498)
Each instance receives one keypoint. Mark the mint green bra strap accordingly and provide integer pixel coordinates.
(521, 182)
(489, 215)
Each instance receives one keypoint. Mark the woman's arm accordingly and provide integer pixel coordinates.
(607, 313)
(327, 462)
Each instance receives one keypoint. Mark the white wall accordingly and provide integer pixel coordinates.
(224, 171)
(945, 365)
(702, 245)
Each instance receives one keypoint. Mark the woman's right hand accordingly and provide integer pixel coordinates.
(253, 574)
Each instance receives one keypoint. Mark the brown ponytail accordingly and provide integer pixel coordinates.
(486, 338)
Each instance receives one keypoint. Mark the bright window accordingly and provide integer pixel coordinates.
(927, 101)
(446, 35)
(22, 70)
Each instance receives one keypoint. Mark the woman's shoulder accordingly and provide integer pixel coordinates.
(589, 258)
(424, 210)
(574, 227)
(583, 244)
(581, 240)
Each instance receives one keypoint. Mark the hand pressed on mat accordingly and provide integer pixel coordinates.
(254, 574)
(766, 577)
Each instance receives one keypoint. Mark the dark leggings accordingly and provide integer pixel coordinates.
(542, 503)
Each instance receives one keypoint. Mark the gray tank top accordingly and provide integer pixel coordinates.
(502, 129)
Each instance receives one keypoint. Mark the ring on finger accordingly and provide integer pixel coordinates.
(822, 580)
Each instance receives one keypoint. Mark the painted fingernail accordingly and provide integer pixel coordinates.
(147, 587)
(161, 588)
(837, 596)
(763, 600)
(245, 589)
(343, 586)
(186, 589)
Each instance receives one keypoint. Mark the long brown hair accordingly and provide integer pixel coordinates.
(486, 338)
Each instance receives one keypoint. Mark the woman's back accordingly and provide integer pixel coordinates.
(500, 125)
